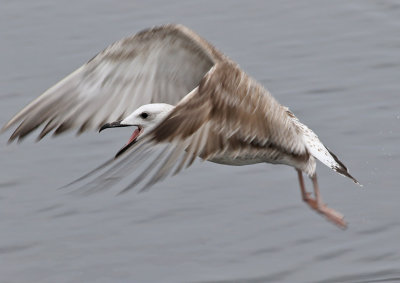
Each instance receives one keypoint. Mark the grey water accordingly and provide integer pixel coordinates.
(335, 64)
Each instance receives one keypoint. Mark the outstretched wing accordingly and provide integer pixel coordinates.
(228, 115)
(161, 64)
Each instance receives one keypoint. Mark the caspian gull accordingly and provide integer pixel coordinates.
(221, 114)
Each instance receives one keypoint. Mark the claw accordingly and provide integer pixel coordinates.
(317, 204)
(329, 213)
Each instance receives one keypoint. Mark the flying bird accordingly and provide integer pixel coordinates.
(185, 97)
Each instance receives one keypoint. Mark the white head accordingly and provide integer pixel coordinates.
(145, 118)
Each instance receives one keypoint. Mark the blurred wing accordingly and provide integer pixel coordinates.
(228, 115)
(162, 64)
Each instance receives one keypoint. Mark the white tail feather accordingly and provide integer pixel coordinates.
(320, 152)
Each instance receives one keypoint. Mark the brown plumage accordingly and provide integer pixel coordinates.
(242, 119)
(161, 64)
(221, 114)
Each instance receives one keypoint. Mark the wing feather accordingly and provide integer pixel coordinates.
(161, 64)
(219, 118)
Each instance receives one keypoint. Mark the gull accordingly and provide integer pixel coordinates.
(185, 97)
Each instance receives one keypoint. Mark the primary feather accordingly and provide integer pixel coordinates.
(161, 64)
(221, 114)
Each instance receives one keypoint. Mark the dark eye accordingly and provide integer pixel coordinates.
(144, 115)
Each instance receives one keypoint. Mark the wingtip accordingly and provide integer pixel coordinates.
(342, 169)
(6, 126)
(355, 181)
(12, 139)
(10, 123)
(122, 192)
(347, 174)
(3, 129)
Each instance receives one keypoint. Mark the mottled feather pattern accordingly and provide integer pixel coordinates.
(239, 102)
(161, 64)
(231, 119)
(221, 114)
(222, 123)
(319, 151)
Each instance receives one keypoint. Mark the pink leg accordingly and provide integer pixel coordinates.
(317, 203)
(304, 194)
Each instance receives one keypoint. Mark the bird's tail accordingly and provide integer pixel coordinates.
(341, 168)
(323, 154)
(320, 152)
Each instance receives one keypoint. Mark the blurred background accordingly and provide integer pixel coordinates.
(335, 64)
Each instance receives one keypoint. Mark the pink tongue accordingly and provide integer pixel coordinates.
(134, 136)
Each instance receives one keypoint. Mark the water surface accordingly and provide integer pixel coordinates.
(336, 64)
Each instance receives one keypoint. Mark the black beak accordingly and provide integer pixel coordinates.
(113, 125)
(131, 141)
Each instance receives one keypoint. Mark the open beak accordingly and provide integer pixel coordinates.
(113, 125)
(132, 139)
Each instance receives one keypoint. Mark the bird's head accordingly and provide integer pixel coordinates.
(145, 118)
